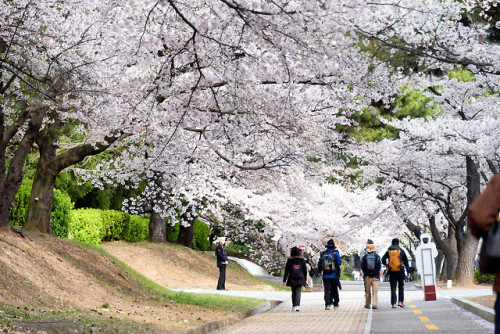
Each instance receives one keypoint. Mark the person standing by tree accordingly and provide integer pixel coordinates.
(396, 260)
(371, 265)
(295, 276)
(482, 214)
(222, 261)
(329, 266)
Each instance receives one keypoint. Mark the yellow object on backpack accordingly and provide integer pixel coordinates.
(395, 263)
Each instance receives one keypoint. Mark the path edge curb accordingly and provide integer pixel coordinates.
(475, 308)
(210, 327)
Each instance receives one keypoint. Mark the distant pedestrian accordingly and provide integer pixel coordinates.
(295, 276)
(309, 281)
(371, 265)
(482, 214)
(329, 267)
(364, 251)
(222, 261)
(396, 260)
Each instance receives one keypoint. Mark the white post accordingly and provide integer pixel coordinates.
(449, 283)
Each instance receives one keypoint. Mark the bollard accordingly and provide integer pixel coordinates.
(449, 283)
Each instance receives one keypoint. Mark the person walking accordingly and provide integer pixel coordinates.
(329, 267)
(309, 281)
(396, 260)
(222, 261)
(295, 276)
(371, 265)
(482, 214)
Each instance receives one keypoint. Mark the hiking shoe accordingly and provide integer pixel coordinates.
(336, 307)
(374, 307)
(328, 307)
(366, 306)
(400, 304)
(394, 306)
(297, 308)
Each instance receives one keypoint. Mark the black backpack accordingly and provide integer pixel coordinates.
(328, 262)
(371, 262)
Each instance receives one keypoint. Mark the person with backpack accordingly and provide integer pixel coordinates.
(329, 267)
(371, 265)
(396, 260)
(222, 261)
(483, 213)
(295, 276)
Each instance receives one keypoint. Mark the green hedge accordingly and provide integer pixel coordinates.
(59, 217)
(95, 226)
(114, 224)
(136, 229)
(86, 225)
(201, 232)
(483, 278)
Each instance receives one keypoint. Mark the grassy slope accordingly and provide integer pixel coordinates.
(44, 278)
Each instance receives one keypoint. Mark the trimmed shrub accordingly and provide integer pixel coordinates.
(59, 217)
(483, 278)
(86, 225)
(172, 231)
(201, 232)
(18, 213)
(136, 228)
(114, 223)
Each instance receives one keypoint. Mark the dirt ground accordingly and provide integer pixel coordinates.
(174, 266)
(488, 301)
(42, 275)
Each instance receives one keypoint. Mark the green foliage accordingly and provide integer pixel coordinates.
(172, 230)
(345, 271)
(136, 228)
(461, 74)
(18, 213)
(86, 225)
(483, 278)
(237, 249)
(114, 223)
(201, 232)
(59, 217)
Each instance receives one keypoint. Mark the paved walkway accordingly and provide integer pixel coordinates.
(418, 316)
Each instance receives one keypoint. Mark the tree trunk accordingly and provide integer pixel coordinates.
(186, 228)
(465, 275)
(49, 167)
(439, 264)
(157, 228)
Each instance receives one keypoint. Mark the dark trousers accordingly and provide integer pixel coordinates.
(497, 315)
(331, 287)
(221, 284)
(397, 279)
(296, 292)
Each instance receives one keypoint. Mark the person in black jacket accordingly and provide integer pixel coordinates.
(295, 276)
(222, 261)
(395, 268)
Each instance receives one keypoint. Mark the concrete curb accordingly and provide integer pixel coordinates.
(218, 324)
(479, 310)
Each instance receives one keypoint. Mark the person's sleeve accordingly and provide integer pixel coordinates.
(384, 258)
(304, 268)
(405, 261)
(225, 257)
(338, 260)
(320, 269)
(379, 264)
(363, 267)
(484, 210)
(219, 252)
(285, 275)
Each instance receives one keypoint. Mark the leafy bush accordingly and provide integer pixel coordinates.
(114, 223)
(237, 249)
(18, 213)
(172, 231)
(483, 278)
(201, 232)
(59, 217)
(86, 225)
(136, 228)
